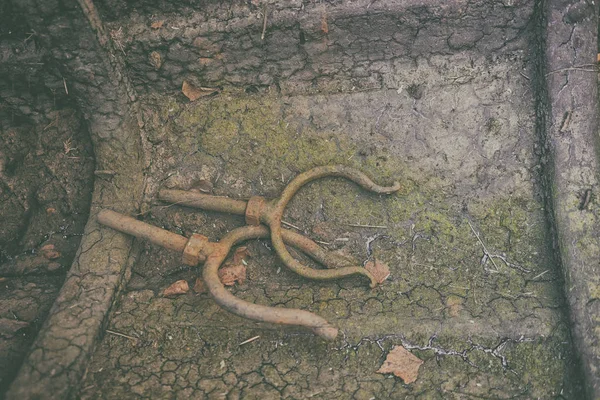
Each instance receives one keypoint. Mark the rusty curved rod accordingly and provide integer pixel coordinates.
(276, 315)
(231, 206)
(214, 255)
(277, 207)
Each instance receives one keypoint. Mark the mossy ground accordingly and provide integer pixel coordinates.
(487, 322)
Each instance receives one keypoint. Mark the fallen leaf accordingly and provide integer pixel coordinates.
(155, 59)
(49, 252)
(157, 24)
(378, 269)
(324, 25)
(194, 93)
(51, 210)
(231, 274)
(199, 286)
(401, 363)
(10, 327)
(179, 287)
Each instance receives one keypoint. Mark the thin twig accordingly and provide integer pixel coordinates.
(122, 335)
(65, 85)
(482, 245)
(575, 68)
(252, 339)
(539, 275)
(321, 242)
(291, 225)
(262, 37)
(368, 226)
(509, 264)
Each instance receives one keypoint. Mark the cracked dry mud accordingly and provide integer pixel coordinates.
(458, 132)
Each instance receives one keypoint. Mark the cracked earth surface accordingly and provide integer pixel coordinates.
(458, 132)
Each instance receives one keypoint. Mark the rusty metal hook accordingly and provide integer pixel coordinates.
(198, 249)
(258, 210)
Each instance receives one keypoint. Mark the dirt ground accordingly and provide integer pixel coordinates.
(457, 131)
(422, 93)
(45, 191)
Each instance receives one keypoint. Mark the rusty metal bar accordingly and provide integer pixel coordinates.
(203, 201)
(142, 230)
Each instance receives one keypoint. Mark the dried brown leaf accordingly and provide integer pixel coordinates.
(155, 59)
(378, 269)
(49, 252)
(157, 24)
(199, 286)
(179, 287)
(194, 93)
(401, 363)
(324, 25)
(230, 274)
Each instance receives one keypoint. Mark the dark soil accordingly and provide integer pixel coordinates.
(46, 179)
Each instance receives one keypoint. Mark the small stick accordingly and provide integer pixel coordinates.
(524, 76)
(368, 226)
(575, 68)
(252, 339)
(65, 85)
(122, 335)
(539, 275)
(321, 242)
(291, 225)
(262, 37)
(487, 253)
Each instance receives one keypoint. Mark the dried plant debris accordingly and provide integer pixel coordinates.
(378, 269)
(157, 24)
(179, 287)
(234, 270)
(231, 274)
(194, 93)
(402, 363)
(49, 252)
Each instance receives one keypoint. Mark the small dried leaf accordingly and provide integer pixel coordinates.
(324, 25)
(49, 252)
(179, 287)
(155, 59)
(194, 93)
(199, 286)
(9, 327)
(157, 24)
(401, 363)
(231, 274)
(379, 269)
(50, 210)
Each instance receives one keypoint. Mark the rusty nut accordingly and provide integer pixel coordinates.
(192, 252)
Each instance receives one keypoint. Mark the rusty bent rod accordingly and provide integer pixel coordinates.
(258, 210)
(198, 249)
